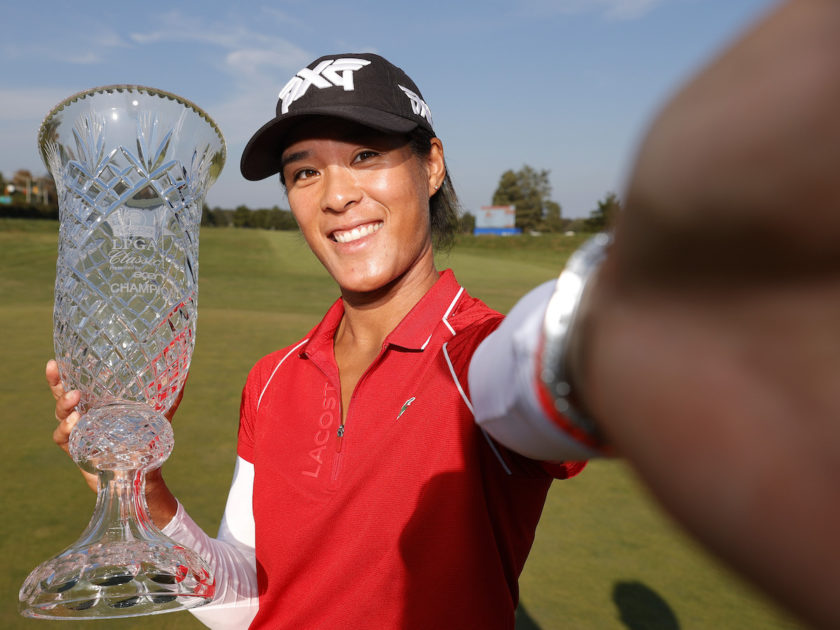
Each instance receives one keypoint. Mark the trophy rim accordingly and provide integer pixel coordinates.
(129, 87)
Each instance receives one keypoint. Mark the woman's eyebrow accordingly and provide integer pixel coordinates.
(293, 157)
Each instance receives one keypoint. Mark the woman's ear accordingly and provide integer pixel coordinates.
(436, 166)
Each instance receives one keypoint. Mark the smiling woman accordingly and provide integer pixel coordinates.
(365, 426)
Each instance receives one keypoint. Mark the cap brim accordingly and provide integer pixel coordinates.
(262, 155)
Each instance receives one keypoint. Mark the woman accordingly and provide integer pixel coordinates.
(363, 486)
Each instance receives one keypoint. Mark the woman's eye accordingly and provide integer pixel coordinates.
(365, 155)
(304, 173)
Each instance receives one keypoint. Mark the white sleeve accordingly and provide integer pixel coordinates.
(503, 387)
(231, 555)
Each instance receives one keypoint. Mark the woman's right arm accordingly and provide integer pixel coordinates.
(231, 555)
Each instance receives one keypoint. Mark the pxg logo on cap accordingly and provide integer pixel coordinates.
(328, 73)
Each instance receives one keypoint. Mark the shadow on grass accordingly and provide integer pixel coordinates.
(524, 621)
(641, 608)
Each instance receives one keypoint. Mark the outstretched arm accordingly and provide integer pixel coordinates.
(709, 347)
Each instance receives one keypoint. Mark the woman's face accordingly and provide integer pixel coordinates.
(361, 199)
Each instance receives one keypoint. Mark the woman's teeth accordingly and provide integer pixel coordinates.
(348, 236)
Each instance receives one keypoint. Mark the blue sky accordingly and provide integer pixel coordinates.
(563, 85)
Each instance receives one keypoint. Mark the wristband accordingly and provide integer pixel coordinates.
(554, 386)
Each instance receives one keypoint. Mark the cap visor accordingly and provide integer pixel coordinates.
(261, 157)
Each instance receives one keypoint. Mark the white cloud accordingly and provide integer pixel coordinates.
(27, 104)
(250, 57)
(20, 118)
(281, 17)
(239, 40)
(84, 58)
(609, 9)
(628, 9)
(182, 29)
(255, 63)
(92, 47)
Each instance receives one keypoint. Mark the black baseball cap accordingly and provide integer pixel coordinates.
(360, 87)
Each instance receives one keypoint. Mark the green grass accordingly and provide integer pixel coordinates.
(601, 540)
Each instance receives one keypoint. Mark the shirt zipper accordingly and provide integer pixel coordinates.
(341, 427)
(340, 442)
(337, 460)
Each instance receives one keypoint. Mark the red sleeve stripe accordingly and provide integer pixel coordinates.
(547, 403)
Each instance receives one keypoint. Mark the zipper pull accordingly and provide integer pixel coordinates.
(340, 433)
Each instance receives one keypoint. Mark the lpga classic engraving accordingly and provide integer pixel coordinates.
(135, 253)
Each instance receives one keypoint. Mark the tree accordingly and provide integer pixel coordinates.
(466, 223)
(242, 217)
(553, 220)
(529, 191)
(262, 218)
(22, 181)
(207, 216)
(603, 216)
(508, 191)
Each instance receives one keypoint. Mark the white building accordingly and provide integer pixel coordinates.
(496, 220)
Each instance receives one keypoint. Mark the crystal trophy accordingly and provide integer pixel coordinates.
(131, 165)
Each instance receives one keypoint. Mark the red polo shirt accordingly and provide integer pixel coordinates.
(414, 518)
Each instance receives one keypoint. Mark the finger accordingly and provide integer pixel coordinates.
(54, 379)
(65, 404)
(170, 413)
(61, 435)
(90, 479)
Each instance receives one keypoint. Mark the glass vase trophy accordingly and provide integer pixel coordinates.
(132, 165)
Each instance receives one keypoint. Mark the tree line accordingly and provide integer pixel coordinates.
(527, 189)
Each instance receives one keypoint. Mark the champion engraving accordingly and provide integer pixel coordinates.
(418, 105)
(328, 73)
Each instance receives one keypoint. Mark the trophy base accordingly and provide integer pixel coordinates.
(123, 565)
(116, 580)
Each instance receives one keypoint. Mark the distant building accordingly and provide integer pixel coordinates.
(500, 220)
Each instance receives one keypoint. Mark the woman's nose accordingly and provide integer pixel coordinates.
(341, 189)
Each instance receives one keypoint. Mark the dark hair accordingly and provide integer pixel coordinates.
(443, 205)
